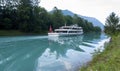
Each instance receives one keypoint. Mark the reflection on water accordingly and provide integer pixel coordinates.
(43, 53)
(66, 42)
(58, 55)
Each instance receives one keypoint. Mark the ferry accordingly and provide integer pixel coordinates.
(66, 31)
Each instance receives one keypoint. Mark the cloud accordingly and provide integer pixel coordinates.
(99, 9)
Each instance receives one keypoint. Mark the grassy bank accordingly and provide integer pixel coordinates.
(10, 33)
(17, 33)
(108, 60)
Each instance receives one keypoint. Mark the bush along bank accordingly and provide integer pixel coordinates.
(108, 60)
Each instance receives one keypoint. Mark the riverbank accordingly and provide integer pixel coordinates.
(17, 33)
(108, 60)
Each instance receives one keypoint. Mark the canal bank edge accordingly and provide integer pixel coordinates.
(108, 60)
(18, 33)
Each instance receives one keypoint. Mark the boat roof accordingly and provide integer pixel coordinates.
(66, 30)
(72, 26)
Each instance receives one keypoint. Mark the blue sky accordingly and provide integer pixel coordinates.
(99, 9)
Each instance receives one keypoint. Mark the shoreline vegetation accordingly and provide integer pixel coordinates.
(108, 60)
(18, 33)
(27, 16)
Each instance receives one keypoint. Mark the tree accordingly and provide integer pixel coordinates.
(8, 13)
(112, 23)
(68, 20)
(41, 20)
(28, 15)
(97, 29)
(25, 16)
(57, 18)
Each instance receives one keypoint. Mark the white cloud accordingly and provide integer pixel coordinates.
(99, 9)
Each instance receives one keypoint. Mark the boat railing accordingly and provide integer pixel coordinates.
(70, 29)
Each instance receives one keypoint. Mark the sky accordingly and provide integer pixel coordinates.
(100, 9)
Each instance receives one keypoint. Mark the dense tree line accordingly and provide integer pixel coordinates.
(28, 16)
(112, 24)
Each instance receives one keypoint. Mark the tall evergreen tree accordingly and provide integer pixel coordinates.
(58, 18)
(112, 23)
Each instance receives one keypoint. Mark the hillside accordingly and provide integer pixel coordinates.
(90, 19)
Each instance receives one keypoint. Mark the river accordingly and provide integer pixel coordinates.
(43, 53)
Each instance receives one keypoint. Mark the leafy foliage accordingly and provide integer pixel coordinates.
(112, 25)
(27, 16)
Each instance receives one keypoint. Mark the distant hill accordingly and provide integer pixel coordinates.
(90, 19)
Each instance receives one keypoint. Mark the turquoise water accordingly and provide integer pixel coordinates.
(43, 53)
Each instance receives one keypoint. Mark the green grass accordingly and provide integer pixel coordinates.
(10, 33)
(18, 33)
(108, 60)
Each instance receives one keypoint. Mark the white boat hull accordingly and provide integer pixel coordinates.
(66, 31)
(64, 34)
